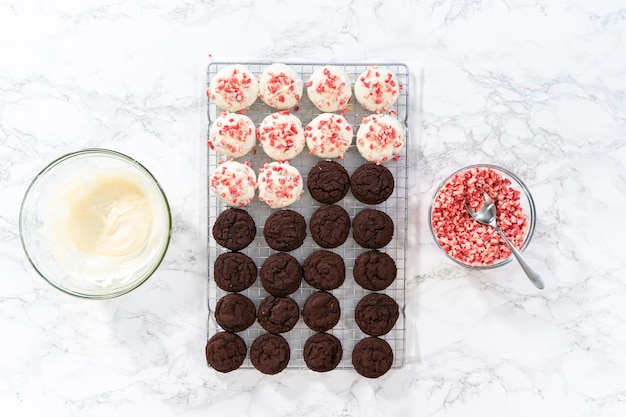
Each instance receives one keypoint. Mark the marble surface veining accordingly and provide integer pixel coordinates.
(537, 87)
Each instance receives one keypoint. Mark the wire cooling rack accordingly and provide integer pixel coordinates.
(350, 292)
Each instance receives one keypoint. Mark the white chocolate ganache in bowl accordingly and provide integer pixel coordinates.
(105, 225)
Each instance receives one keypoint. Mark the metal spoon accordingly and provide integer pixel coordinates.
(487, 215)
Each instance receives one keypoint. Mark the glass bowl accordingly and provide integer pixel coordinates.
(95, 224)
(463, 239)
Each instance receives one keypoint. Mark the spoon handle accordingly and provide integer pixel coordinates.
(534, 277)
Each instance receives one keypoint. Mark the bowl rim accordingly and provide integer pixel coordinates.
(132, 162)
(532, 217)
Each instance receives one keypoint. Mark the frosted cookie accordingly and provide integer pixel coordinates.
(380, 138)
(234, 183)
(281, 135)
(280, 184)
(232, 134)
(329, 88)
(233, 88)
(376, 89)
(280, 86)
(328, 135)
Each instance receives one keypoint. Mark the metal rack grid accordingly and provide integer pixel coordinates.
(350, 292)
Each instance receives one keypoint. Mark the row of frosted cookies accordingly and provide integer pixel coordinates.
(281, 135)
(235, 88)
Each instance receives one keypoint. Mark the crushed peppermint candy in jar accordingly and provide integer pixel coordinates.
(462, 237)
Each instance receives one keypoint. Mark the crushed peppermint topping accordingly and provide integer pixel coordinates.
(462, 237)
(233, 88)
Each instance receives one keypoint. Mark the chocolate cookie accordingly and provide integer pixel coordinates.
(278, 314)
(269, 353)
(284, 230)
(372, 357)
(322, 352)
(374, 270)
(328, 182)
(321, 311)
(324, 270)
(225, 351)
(371, 183)
(235, 312)
(376, 314)
(372, 228)
(234, 229)
(330, 225)
(234, 271)
(281, 274)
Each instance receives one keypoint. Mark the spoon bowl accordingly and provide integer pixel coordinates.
(487, 215)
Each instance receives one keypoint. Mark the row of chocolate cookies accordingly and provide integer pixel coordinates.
(329, 182)
(233, 272)
(376, 313)
(324, 271)
(285, 231)
(280, 275)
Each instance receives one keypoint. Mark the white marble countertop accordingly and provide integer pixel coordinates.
(537, 87)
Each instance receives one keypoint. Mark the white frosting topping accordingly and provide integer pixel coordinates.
(380, 138)
(280, 86)
(280, 184)
(281, 135)
(233, 88)
(377, 89)
(328, 135)
(234, 183)
(329, 88)
(232, 134)
(106, 225)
